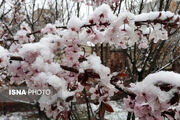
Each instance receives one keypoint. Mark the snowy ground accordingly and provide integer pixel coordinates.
(19, 116)
(13, 116)
(119, 113)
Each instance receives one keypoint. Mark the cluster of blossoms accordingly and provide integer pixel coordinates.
(17, 14)
(77, 72)
(22, 35)
(155, 96)
(102, 89)
(127, 29)
(12, 15)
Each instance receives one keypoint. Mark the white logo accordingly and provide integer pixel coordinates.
(29, 92)
(17, 92)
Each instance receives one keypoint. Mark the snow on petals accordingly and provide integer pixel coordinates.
(102, 14)
(74, 24)
(22, 35)
(154, 95)
(49, 28)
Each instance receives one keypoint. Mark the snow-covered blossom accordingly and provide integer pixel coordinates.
(74, 24)
(94, 62)
(153, 95)
(76, 72)
(57, 82)
(25, 26)
(125, 18)
(22, 35)
(102, 14)
(158, 33)
(103, 90)
(49, 28)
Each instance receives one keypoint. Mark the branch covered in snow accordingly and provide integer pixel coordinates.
(155, 95)
(33, 62)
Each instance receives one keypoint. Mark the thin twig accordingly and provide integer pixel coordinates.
(87, 104)
(170, 62)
